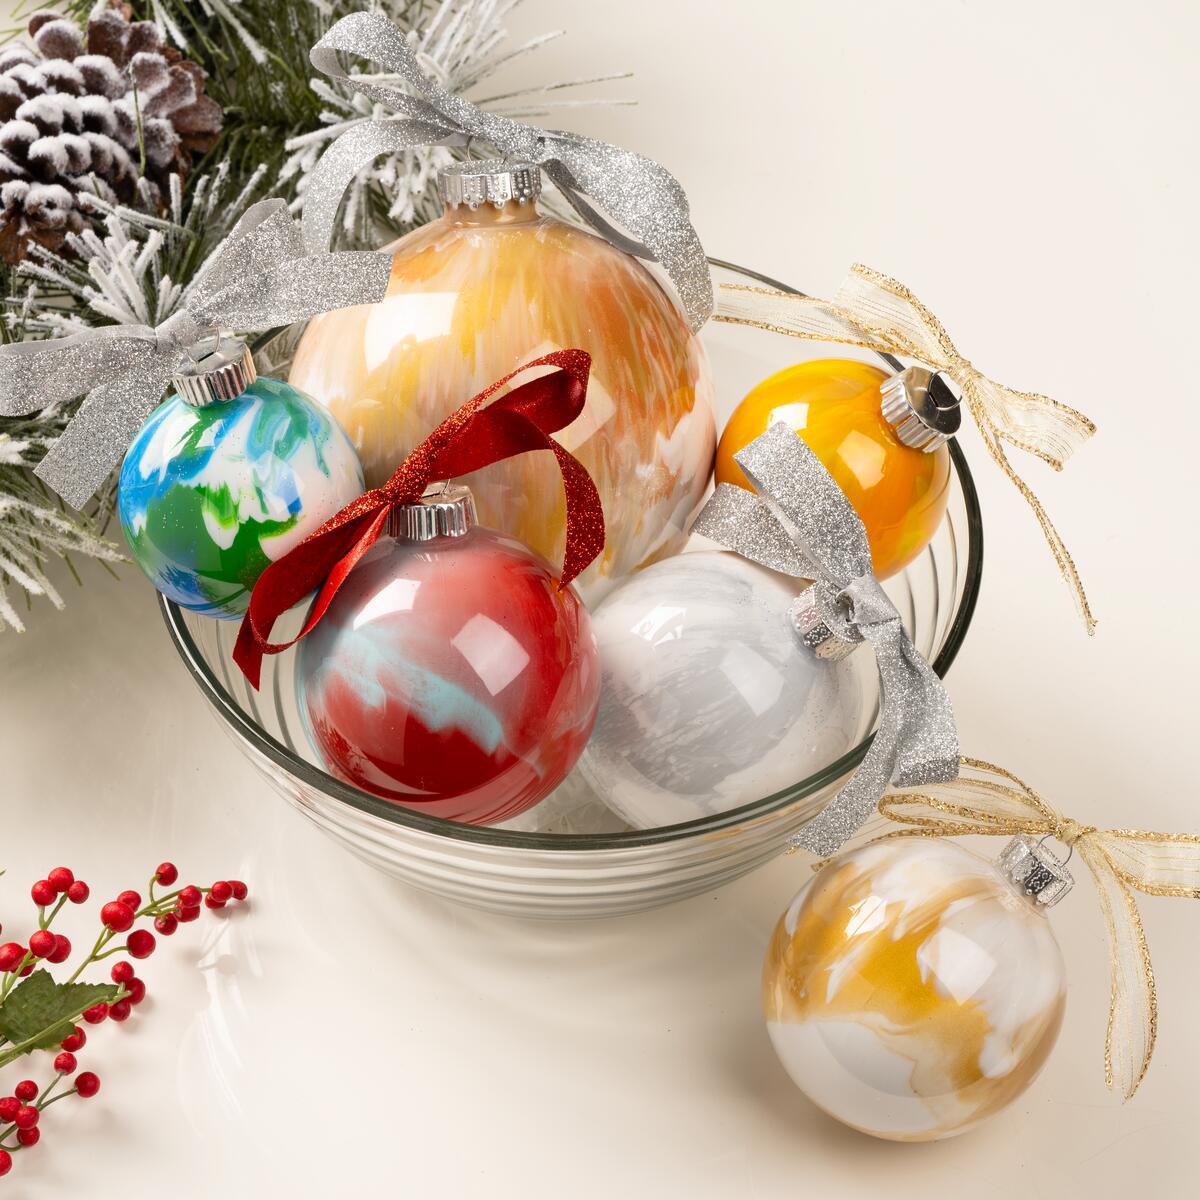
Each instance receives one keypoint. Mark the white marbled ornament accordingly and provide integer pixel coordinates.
(709, 700)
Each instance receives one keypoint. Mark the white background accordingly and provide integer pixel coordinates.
(1029, 170)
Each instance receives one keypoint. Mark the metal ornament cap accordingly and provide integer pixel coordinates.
(923, 409)
(826, 637)
(1037, 871)
(223, 372)
(489, 181)
(445, 510)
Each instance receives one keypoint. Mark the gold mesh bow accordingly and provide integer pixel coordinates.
(987, 799)
(878, 313)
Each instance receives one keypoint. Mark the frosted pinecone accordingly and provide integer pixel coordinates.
(97, 113)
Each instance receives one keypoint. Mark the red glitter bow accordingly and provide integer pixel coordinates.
(469, 438)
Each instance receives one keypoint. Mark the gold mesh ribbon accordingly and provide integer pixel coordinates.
(877, 313)
(987, 799)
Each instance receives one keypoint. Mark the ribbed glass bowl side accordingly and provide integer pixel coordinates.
(536, 870)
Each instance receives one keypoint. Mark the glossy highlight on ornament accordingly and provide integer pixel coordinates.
(475, 294)
(911, 990)
(709, 698)
(209, 496)
(835, 405)
(452, 676)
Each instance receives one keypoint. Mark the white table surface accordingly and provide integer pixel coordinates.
(1025, 168)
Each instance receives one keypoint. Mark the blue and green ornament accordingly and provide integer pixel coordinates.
(226, 476)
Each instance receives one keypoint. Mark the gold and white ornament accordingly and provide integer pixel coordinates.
(913, 988)
(910, 989)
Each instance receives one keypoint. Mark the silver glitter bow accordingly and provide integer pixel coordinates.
(258, 278)
(643, 196)
(800, 523)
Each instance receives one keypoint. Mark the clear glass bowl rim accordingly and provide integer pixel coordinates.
(243, 727)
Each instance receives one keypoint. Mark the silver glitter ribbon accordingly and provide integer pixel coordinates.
(260, 277)
(643, 196)
(801, 523)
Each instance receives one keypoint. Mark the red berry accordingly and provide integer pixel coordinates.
(210, 901)
(78, 892)
(166, 874)
(43, 893)
(190, 896)
(74, 1042)
(8, 1108)
(5, 1163)
(60, 879)
(27, 969)
(96, 1014)
(27, 1117)
(240, 890)
(137, 991)
(220, 891)
(120, 1011)
(166, 925)
(28, 1137)
(117, 915)
(132, 898)
(87, 1084)
(11, 955)
(42, 944)
(188, 914)
(122, 972)
(65, 1063)
(26, 1090)
(61, 951)
(140, 943)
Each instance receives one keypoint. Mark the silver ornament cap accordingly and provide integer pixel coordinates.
(489, 181)
(825, 636)
(1037, 871)
(445, 510)
(923, 409)
(220, 370)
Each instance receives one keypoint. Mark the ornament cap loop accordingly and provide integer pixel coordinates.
(821, 631)
(1037, 871)
(215, 372)
(445, 510)
(922, 407)
(489, 181)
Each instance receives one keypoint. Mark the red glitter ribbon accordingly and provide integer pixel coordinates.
(469, 438)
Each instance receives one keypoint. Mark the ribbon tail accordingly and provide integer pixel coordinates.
(792, 314)
(37, 374)
(288, 580)
(1034, 423)
(96, 438)
(304, 287)
(355, 149)
(854, 803)
(1133, 1002)
(740, 521)
(647, 200)
(992, 439)
(264, 236)
(916, 743)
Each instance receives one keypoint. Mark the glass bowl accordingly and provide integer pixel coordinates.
(569, 857)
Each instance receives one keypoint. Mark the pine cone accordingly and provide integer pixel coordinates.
(120, 106)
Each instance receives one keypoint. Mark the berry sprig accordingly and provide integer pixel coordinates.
(38, 1013)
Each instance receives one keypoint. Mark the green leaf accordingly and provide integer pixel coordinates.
(38, 1013)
